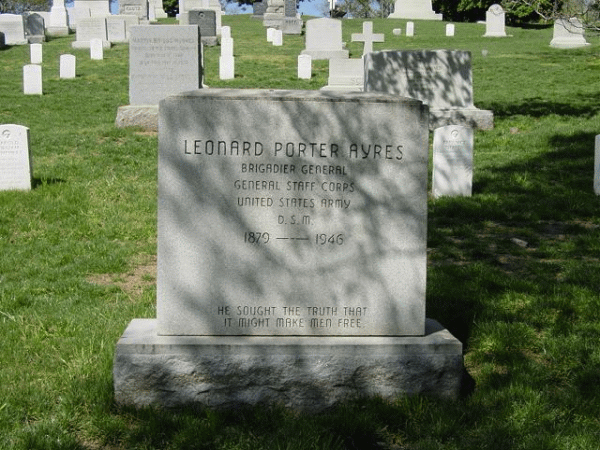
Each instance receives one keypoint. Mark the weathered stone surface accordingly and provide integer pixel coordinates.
(305, 373)
(143, 116)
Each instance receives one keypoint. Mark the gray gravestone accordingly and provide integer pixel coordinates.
(13, 27)
(324, 39)
(138, 8)
(440, 78)
(281, 248)
(258, 9)
(346, 75)
(452, 161)
(495, 22)
(206, 19)
(15, 159)
(34, 28)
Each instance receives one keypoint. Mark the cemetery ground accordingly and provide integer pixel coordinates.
(514, 270)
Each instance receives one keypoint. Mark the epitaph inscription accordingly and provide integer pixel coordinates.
(15, 160)
(316, 226)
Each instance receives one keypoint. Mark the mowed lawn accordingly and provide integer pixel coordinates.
(514, 270)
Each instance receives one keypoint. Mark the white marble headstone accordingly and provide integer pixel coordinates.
(495, 22)
(367, 37)
(13, 28)
(67, 66)
(568, 34)
(450, 28)
(32, 79)
(346, 75)
(410, 29)
(278, 38)
(324, 39)
(96, 49)
(35, 53)
(452, 161)
(15, 158)
(304, 67)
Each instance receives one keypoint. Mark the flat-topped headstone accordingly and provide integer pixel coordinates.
(138, 8)
(32, 79)
(597, 166)
(96, 49)
(452, 161)
(89, 29)
(67, 66)
(414, 9)
(281, 247)
(96, 8)
(346, 75)
(568, 34)
(15, 158)
(367, 37)
(296, 202)
(35, 53)
(397, 31)
(206, 19)
(324, 39)
(270, 34)
(450, 29)
(187, 5)
(13, 27)
(440, 78)
(163, 60)
(117, 27)
(304, 67)
(35, 29)
(410, 29)
(495, 21)
(277, 38)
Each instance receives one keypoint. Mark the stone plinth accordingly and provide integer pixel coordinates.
(305, 373)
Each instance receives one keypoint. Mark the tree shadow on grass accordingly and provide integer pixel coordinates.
(581, 106)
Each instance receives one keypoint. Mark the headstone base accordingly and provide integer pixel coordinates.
(142, 116)
(326, 54)
(480, 119)
(87, 44)
(302, 373)
(57, 31)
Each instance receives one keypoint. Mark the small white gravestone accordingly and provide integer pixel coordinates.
(270, 32)
(324, 39)
(32, 79)
(346, 75)
(226, 32)
(410, 29)
(367, 37)
(67, 66)
(568, 34)
(35, 53)
(304, 67)
(495, 22)
(15, 159)
(414, 9)
(452, 161)
(13, 27)
(227, 47)
(397, 31)
(226, 67)
(597, 166)
(450, 28)
(278, 38)
(96, 49)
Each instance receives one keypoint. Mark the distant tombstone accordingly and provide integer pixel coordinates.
(138, 8)
(324, 39)
(274, 14)
(89, 29)
(270, 34)
(15, 158)
(597, 166)
(450, 29)
(291, 9)
(414, 9)
(67, 67)
(568, 34)
(187, 5)
(163, 60)
(292, 23)
(258, 9)
(226, 32)
(397, 31)
(278, 38)
(440, 78)
(32, 79)
(59, 20)
(206, 19)
(13, 27)
(117, 27)
(292, 259)
(96, 8)
(410, 29)
(452, 161)
(35, 29)
(226, 60)
(96, 49)
(495, 21)
(304, 67)
(368, 37)
(346, 75)
(35, 53)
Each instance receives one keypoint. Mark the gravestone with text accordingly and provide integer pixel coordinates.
(324, 39)
(440, 78)
(414, 9)
(568, 34)
(495, 22)
(291, 258)
(163, 60)
(89, 29)
(346, 75)
(206, 19)
(138, 8)
(13, 28)
(15, 158)
(452, 161)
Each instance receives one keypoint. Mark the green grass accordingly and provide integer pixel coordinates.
(78, 256)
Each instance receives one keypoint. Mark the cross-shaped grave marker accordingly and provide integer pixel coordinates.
(367, 37)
